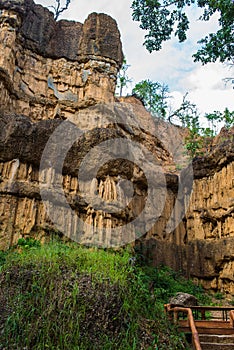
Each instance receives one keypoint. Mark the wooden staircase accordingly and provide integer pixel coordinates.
(216, 342)
(208, 332)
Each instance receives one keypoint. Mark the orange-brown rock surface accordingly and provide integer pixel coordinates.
(76, 160)
(206, 236)
(22, 143)
(49, 79)
(51, 69)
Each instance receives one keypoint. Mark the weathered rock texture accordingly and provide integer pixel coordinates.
(184, 300)
(51, 69)
(22, 144)
(206, 248)
(62, 76)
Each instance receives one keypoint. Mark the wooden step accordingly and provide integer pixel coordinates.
(216, 346)
(208, 327)
(207, 324)
(215, 338)
(218, 331)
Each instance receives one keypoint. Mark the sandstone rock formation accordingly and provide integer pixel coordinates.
(52, 69)
(51, 79)
(22, 146)
(76, 160)
(205, 250)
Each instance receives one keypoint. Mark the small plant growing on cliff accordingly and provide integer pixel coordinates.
(59, 7)
(219, 296)
(122, 77)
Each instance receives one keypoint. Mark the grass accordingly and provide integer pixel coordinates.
(65, 296)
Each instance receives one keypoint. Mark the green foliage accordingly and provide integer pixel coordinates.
(199, 138)
(193, 145)
(28, 242)
(213, 118)
(70, 297)
(122, 77)
(217, 117)
(228, 118)
(193, 141)
(166, 283)
(160, 18)
(179, 167)
(2, 258)
(218, 45)
(154, 95)
(219, 296)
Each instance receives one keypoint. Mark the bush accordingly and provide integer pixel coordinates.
(28, 242)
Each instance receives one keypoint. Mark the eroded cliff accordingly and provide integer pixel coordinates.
(52, 69)
(53, 82)
(206, 237)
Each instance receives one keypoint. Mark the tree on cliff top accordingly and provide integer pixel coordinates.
(154, 95)
(59, 7)
(161, 18)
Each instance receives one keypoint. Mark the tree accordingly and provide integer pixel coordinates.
(188, 117)
(160, 18)
(154, 96)
(194, 141)
(214, 119)
(217, 117)
(184, 114)
(122, 77)
(59, 7)
(228, 118)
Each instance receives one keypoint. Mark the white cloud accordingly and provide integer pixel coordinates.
(209, 76)
(211, 100)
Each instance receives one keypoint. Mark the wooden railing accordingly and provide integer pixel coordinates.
(203, 309)
(175, 311)
(232, 318)
(199, 312)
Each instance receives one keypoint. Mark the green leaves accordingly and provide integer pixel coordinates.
(122, 77)
(161, 18)
(199, 138)
(154, 96)
(217, 46)
(157, 20)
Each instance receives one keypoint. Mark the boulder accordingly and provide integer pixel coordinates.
(183, 299)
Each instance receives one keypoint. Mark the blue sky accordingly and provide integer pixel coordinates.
(173, 65)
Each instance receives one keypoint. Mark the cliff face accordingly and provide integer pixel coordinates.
(51, 69)
(75, 160)
(204, 249)
(99, 199)
(58, 78)
(210, 217)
